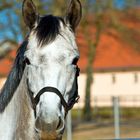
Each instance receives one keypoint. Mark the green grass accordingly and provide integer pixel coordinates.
(104, 116)
(102, 124)
(106, 113)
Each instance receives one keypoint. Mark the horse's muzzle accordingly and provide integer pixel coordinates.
(49, 128)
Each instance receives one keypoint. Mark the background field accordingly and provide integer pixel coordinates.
(102, 124)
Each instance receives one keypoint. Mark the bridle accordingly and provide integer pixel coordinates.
(67, 106)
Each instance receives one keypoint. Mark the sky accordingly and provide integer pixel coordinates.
(6, 33)
(119, 3)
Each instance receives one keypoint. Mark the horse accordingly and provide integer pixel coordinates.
(42, 85)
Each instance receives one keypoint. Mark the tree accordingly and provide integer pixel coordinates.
(14, 24)
(5, 5)
(92, 45)
(106, 16)
(13, 28)
(58, 7)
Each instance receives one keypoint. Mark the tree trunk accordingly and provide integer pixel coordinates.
(89, 72)
(89, 81)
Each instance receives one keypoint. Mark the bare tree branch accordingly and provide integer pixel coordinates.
(5, 5)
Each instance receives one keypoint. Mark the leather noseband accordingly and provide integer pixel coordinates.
(67, 106)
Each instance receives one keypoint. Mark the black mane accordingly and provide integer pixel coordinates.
(48, 28)
(14, 78)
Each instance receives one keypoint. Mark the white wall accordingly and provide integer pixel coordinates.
(103, 88)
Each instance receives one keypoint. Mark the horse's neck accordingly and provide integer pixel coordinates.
(17, 121)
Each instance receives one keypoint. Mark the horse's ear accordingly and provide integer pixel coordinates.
(74, 13)
(29, 13)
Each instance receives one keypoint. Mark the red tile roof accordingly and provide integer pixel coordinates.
(111, 53)
(6, 63)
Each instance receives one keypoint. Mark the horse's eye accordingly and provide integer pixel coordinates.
(27, 61)
(75, 60)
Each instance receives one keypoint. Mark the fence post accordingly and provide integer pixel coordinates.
(69, 126)
(95, 107)
(79, 114)
(116, 117)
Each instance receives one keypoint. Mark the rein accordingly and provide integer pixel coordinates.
(67, 106)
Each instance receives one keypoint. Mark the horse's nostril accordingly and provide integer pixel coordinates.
(59, 124)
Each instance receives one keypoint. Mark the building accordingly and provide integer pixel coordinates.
(116, 73)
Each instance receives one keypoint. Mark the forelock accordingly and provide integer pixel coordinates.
(48, 28)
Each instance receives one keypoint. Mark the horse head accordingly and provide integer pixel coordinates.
(51, 66)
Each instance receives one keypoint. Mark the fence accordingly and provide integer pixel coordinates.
(117, 103)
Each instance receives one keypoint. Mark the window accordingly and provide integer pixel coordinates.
(113, 78)
(136, 77)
